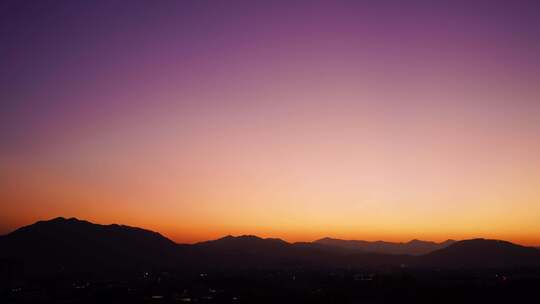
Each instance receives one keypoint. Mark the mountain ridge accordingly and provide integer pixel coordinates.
(70, 243)
(229, 236)
(486, 252)
(77, 244)
(412, 247)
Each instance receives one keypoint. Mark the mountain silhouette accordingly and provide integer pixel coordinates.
(254, 243)
(75, 244)
(483, 253)
(64, 244)
(414, 247)
(250, 251)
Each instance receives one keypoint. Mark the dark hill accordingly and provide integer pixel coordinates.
(73, 244)
(482, 253)
(249, 242)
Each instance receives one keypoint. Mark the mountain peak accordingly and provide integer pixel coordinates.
(73, 227)
(60, 219)
(230, 237)
(325, 239)
(448, 241)
(248, 237)
(485, 252)
(65, 242)
(328, 239)
(417, 241)
(242, 241)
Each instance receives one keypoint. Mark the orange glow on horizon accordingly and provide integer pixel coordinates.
(356, 120)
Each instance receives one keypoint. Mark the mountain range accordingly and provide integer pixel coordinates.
(70, 244)
(414, 247)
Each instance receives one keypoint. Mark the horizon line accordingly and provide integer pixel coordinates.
(264, 237)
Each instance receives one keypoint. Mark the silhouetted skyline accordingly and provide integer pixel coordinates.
(60, 242)
(70, 260)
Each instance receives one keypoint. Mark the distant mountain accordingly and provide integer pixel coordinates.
(67, 245)
(254, 243)
(71, 243)
(482, 253)
(250, 251)
(414, 247)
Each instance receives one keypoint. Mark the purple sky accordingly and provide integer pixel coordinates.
(322, 111)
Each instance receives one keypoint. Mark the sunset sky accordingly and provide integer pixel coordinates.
(367, 120)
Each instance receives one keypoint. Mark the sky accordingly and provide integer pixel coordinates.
(365, 120)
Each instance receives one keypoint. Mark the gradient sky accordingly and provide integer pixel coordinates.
(353, 119)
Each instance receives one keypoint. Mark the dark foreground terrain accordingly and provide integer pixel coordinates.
(72, 261)
(282, 286)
